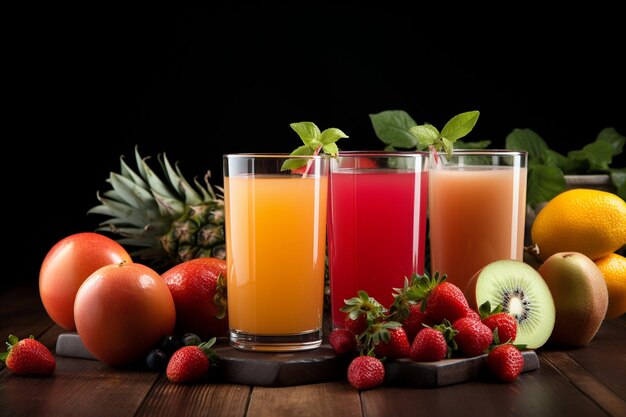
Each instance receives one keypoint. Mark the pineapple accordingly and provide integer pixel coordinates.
(168, 220)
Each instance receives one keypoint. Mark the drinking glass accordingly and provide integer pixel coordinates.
(275, 250)
(477, 209)
(377, 224)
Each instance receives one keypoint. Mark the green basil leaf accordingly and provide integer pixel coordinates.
(610, 135)
(556, 159)
(527, 140)
(460, 125)
(392, 128)
(307, 131)
(426, 134)
(598, 154)
(481, 144)
(331, 135)
(618, 176)
(544, 183)
(297, 162)
(331, 149)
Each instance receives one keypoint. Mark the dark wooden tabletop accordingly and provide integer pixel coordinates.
(586, 382)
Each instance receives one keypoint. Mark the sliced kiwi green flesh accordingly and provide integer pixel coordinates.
(521, 291)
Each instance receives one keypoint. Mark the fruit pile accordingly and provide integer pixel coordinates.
(429, 320)
(122, 309)
(592, 223)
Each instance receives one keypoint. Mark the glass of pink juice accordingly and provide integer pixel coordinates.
(275, 253)
(477, 211)
(376, 224)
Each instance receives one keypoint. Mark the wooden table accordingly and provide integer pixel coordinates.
(584, 382)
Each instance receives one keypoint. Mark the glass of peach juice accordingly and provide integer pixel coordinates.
(477, 210)
(275, 250)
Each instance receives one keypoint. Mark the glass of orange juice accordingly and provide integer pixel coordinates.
(476, 211)
(275, 250)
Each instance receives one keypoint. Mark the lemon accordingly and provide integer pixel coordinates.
(613, 267)
(588, 221)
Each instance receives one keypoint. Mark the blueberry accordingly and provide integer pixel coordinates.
(169, 345)
(157, 360)
(191, 339)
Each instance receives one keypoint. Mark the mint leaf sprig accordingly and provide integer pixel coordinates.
(315, 142)
(457, 127)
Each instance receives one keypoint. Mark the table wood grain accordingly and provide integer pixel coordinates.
(585, 382)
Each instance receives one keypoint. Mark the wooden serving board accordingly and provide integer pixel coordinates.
(320, 365)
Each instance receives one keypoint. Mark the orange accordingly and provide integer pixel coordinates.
(588, 221)
(613, 267)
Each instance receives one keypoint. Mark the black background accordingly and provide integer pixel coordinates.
(87, 85)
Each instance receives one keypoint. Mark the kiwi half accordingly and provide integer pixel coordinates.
(521, 291)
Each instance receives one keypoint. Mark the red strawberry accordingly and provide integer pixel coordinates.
(342, 341)
(356, 326)
(189, 364)
(396, 347)
(505, 362)
(360, 311)
(441, 300)
(28, 357)
(472, 314)
(365, 372)
(504, 322)
(429, 345)
(473, 337)
(415, 321)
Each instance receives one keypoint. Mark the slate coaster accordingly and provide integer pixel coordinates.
(269, 369)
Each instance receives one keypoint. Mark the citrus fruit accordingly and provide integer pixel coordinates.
(613, 267)
(588, 221)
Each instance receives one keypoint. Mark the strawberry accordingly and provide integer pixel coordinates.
(365, 372)
(356, 326)
(28, 357)
(360, 311)
(190, 364)
(429, 345)
(441, 300)
(415, 321)
(505, 362)
(497, 320)
(396, 346)
(342, 341)
(473, 337)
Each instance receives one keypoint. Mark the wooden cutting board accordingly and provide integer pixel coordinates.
(320, 365)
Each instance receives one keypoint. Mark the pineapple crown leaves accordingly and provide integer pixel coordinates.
(144, 209)
(315, 141)
(428, 136)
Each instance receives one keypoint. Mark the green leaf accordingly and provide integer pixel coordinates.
(460, 125)
(618, 176)
(307, 131)
(598, 154)
(331, 149)
(426, 134)
(527, 140)
(556, 159)
(296, 163)
(331, 135)
(544, 182)
(481, 144)
(392, 128)
(610, 135)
